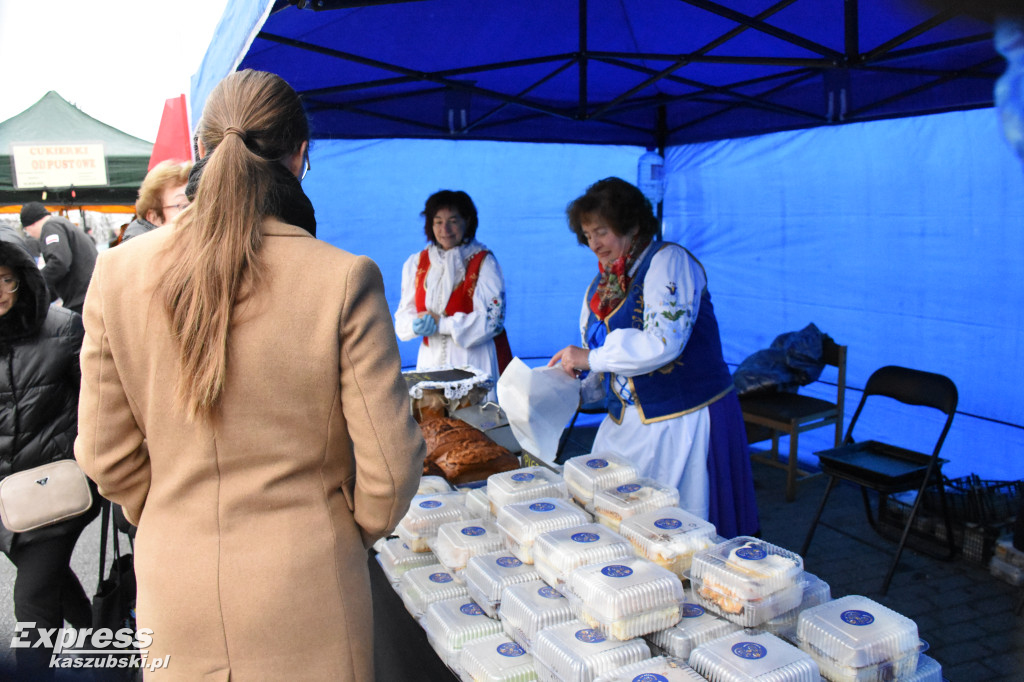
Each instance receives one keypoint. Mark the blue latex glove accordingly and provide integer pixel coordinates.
(424, 326)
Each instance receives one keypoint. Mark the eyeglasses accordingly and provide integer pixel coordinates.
(180, 207)
(308, 166)
(9, 285)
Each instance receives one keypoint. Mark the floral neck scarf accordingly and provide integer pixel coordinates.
(615, 280)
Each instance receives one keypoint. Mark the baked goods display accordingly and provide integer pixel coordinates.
(496, 659)
(573, 652)
(557, 553)
(668, 536)
(696, 626)
(396, 558)
(527, 608)
(587, 474)
(487, 575)
(657, 669)
(524, 485)
(463, 452)
(753, 655)
(451, 623)
(856, 639)
(421, 587)
(815, 591)
(426, 514)
(521, 523)
(612, 505)
(625, 598)
(457, 541)
(746, 580)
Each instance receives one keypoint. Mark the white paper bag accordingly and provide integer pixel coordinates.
(538, 403)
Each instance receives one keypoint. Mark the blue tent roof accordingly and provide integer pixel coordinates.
(642, 72)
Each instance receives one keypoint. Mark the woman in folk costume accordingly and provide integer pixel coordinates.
(453, 293)
(242, 399)
(650, 338)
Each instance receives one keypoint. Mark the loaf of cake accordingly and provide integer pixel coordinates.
(461, 452)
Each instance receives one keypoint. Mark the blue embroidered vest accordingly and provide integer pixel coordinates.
(698, 377)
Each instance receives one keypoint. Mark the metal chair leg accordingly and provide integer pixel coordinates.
(817, 516)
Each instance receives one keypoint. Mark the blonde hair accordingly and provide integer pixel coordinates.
(252, 121)
(165, 174)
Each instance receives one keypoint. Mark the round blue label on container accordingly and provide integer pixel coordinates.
(749, 650)
(617, 571)
(692, 610)
(650, 677)
(549, 592)
(751, 553)
(510, 649)
(590, 636)
(430, 504)
(586, 537)
(522, 477)
(472, 609)
(668, 524)
(440, 578)
(542, 507)
(855, 617)
(597, 463)
(473, 530)
(509, 562)
(629, 488)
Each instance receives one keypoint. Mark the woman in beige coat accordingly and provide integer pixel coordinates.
(242, 399)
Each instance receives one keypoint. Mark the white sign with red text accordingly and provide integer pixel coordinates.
(58, 165)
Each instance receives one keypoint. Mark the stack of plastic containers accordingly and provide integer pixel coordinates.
(523, 485)
(696, 626)
(496, 659)
(487, 575)
(612, 505)
(855, 638)
(657, 669)
(557, 553)
(477, 503)
(457, 541)
(425, 585)
(451, 623)
(528, 608)
(626, 598)
(572, 652)
(521, 523)
(815, 591)
(586, 475)
(668, 536)
(426, 514)
(747, 580)
(395, 559)
(748, 655)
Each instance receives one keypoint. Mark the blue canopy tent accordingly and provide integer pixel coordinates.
(894, 232)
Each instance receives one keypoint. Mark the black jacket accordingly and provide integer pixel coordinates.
(70, 256)
(39, 379)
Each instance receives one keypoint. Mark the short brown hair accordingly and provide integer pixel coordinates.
(165, 174)
(449, 199)
(618, 202)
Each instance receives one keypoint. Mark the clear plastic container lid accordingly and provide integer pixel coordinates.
(657, 669)
(527, 608)
(668, 536)
(612, 505)
(451, 623)
(753, 655)
(426, 514)
(522, 522)
(696, 626)
(486, 575)
(496, 659)
(815, 591)
(420, 587)
(851, 636)
(587, 474)
(523, 485)
(928, 670)
(626, 598)
(573, 652)
(395, 558)
(457, 541)
(431, 485)
(477, 503)
(556, 553)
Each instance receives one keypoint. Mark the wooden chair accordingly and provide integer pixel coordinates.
(889, 469)
(770, 415)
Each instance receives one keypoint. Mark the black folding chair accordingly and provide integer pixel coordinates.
(889, 469)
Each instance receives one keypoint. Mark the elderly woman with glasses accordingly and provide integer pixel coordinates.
(39, 381)
(161, 198)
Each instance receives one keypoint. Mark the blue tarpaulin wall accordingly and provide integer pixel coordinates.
(899, 238)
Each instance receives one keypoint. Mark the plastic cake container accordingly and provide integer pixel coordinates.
(487, 575)
(573, 652)
(587, 474)
(557, 553)
(528, 608)
(668, 536)
(614, 504)
(521, 523)
(749, 655)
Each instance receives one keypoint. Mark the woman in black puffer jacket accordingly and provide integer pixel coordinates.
(39, 383)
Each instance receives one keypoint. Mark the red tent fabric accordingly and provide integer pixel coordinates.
(172, 140)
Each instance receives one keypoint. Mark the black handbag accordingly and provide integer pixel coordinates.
(113, 606)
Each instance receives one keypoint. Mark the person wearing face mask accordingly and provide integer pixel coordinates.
(161, 198)
(650, 340)
(453, 292)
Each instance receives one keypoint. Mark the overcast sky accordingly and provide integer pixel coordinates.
(117, 60)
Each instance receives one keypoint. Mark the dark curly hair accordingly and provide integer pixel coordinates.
(618, 202)
(449, 199)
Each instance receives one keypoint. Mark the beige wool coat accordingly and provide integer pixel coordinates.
(253, 526)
